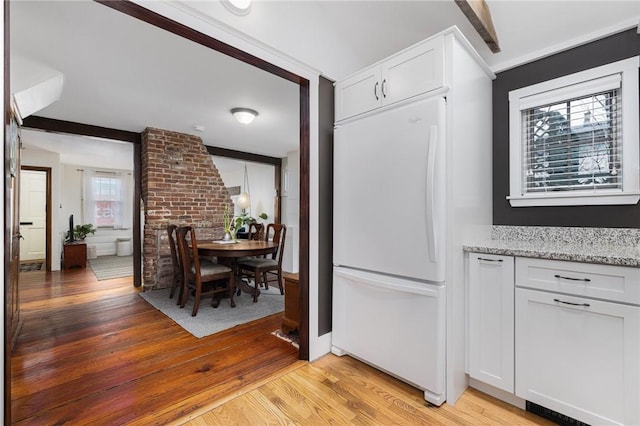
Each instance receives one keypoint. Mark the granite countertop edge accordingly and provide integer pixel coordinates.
(603, 254)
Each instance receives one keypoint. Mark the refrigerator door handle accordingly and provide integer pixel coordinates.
(424, 290)
(430, 188)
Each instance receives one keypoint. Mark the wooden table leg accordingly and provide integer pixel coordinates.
(240, 285)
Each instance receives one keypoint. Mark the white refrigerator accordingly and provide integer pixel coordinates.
(389, 243)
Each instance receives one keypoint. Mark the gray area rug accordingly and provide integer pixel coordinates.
(109, 267)
(210, 320)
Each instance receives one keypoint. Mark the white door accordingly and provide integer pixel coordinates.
(389, 192)
(33, 214)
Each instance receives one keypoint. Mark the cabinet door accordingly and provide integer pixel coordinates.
(491, 320)
(578, 356)
(358, 94)
(413, 72)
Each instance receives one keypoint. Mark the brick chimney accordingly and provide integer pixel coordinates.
(181, 186)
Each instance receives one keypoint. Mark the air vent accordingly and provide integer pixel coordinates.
(554, 416)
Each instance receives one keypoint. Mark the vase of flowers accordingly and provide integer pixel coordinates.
(228, 225)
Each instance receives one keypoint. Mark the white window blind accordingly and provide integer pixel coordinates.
(574, 144)
(574, 140)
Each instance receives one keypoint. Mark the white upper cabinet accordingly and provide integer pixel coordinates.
(414, 71)
(359, 93)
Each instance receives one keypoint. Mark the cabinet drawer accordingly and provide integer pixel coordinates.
(608, 282)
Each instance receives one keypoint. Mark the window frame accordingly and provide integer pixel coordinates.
(96, 200)
(564, 88)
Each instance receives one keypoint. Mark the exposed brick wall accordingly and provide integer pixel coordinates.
(180, 185)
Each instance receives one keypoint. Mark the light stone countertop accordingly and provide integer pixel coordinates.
(604, 254)
(572, 245)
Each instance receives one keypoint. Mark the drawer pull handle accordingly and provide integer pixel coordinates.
(572, 304)
(489, 260)
(573, 279)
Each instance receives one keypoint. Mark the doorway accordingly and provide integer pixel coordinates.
(35, 218)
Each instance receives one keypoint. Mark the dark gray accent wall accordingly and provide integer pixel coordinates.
(325, 237)
(614, 48)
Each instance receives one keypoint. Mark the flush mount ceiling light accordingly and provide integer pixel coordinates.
(244, 115)
(238, 7)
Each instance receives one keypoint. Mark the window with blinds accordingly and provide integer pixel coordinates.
(573, 145)
(570, 143)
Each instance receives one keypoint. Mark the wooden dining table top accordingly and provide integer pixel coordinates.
(240, 249)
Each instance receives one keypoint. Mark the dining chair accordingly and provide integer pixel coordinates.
(197, 272)
(177, 279)
(256, 231)
(269, 268)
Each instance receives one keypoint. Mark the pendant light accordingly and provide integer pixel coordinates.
(244, 200)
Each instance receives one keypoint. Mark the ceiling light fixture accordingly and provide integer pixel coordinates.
(238, 7)
(244, 115)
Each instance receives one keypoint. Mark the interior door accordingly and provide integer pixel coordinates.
(33, 214)
(11, 249)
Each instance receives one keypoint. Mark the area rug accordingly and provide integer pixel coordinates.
(32, 266)
(109, 267)
(210, 320)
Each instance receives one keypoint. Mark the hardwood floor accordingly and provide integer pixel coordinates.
(344, 391)
(95, 353)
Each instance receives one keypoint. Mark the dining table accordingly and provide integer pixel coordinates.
(228, 253)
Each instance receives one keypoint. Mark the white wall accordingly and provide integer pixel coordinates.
(261, 179)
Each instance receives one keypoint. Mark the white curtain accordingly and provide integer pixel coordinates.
(125, 219)
(88, 199)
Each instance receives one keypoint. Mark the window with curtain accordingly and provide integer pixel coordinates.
(574, 140)
(107, 199)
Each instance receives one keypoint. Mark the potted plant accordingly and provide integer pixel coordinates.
(80, 232)
(244, 219)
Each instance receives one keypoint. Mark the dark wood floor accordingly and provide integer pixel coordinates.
(94, 352)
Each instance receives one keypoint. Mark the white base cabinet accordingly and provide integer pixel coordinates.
(569, 342)
(578, 356)
(491, 320)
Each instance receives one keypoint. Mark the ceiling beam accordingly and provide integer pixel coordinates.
(478, 13)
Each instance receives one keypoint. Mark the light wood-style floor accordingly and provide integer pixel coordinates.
(96, 353)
